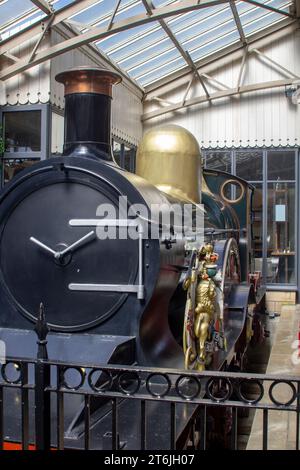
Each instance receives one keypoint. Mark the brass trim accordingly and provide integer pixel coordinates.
(88, 80)
(236, 183)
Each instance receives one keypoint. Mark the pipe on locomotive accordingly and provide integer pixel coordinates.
(88, 95)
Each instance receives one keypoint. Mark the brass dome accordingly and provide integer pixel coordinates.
(169, 157)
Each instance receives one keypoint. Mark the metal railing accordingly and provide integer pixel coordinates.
(177, 395)
(143, 385)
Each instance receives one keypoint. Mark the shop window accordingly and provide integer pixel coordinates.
(249, 165)
(26, 137)
(281, 165)
(281, 233)
(22, 131)
(220, 161)
(274, 218)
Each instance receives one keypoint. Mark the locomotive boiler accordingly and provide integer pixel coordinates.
(120, 299)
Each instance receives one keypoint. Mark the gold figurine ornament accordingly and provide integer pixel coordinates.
(203, 292)
(205, 308)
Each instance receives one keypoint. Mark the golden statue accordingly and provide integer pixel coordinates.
(200, 308)
(205, 308)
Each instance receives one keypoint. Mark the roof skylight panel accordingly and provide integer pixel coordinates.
(214, 20)
(162, 3)
(160, 72)
(14, 9)
(90, 15)
(214, 45)
(136, 42)
(210, 35)
(58, 4)
(147, 53)
(158, 60)
(124, 38)
(261, 23)
(187, 20)
(259, 12)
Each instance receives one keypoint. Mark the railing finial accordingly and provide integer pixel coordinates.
(42, 330)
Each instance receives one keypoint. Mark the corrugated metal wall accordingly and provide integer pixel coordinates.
(262, 118)
(30, 87)
(57, 133)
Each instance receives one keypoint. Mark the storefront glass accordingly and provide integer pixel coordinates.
(249, 165)
(220, 161)
(26, 137)
(281, 216)
(22, 131)
(274, 218)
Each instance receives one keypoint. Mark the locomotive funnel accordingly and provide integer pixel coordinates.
(88, 94)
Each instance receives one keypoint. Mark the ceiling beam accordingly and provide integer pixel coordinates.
(184, 6)
(276, 64)
(34, 30)
(242, 69)
(268, 7)
(43, 5)
(198, 75)
(187, 90)
(238, 22)
(150, 8)
(215, 96)
(113, 15)
(41, 37)
(186, 56)
(11, 57)
(219, 84)
(234, 51)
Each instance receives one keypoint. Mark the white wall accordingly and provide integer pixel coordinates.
(30, 87)
(57, 133)
(254, 119)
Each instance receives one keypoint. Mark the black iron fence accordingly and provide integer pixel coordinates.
(50, 404)
(134, 390)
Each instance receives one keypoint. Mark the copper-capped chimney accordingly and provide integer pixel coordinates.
(88, 94)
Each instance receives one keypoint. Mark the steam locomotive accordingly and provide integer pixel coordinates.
(118, 301)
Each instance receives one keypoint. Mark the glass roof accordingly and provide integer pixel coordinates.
(149, 52)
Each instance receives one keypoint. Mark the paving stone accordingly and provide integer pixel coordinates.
(281, 424)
